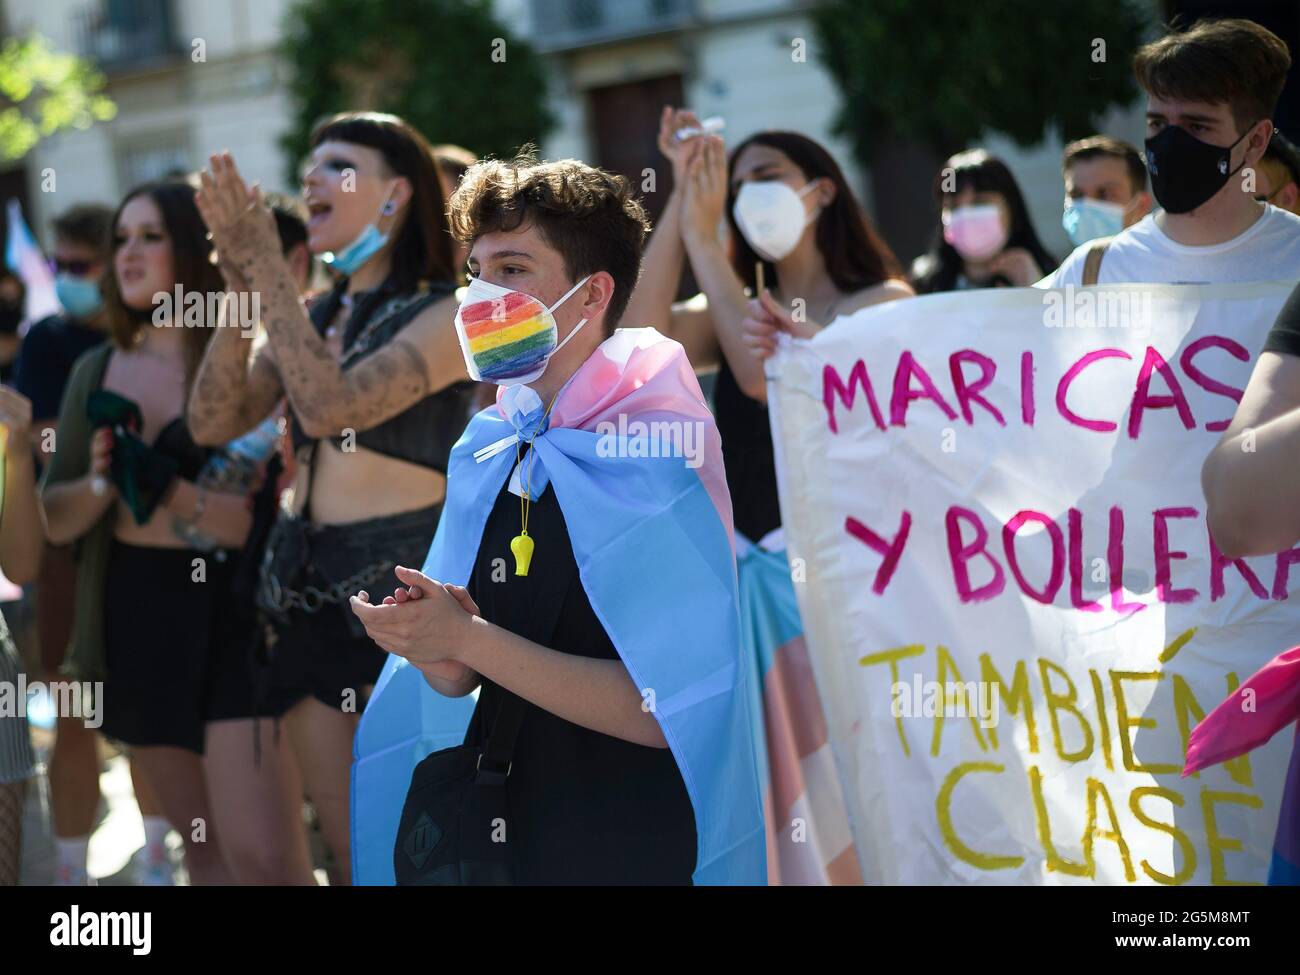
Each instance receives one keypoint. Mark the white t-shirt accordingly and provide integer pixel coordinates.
(1268, 250)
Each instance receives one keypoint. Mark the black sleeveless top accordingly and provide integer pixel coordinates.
(586, 807)
(175, 441)
(748, 457)
(424, 432)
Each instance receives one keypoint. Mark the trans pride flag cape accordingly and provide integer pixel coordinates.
(1268, 701)
(652, 537)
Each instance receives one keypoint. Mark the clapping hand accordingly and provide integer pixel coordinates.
(241, 225)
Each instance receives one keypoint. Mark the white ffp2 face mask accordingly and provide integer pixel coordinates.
(771, 216)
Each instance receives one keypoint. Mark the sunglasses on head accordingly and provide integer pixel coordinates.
(78, 269)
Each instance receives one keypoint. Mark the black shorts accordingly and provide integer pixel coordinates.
(179, 652)
(316, 655)
(326, 654)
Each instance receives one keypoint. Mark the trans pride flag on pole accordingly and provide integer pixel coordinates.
(1267, 702)
(652, 536)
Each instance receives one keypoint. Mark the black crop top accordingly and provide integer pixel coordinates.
(424, 432)
(174, 441)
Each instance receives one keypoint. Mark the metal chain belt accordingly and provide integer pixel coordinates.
(311, 598)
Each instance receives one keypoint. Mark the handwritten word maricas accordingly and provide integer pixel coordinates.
(971, 373)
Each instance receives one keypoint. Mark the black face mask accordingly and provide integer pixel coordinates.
(1185, 172)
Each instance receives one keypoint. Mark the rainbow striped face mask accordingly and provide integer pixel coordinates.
(507, 336)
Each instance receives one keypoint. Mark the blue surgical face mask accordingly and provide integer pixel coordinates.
(364, 246)
(1086, 220)
(80, 297)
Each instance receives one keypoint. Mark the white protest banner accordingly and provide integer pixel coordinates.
(1013, 607)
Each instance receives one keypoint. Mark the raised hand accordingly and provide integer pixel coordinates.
(677, 153)
(241, 224)
(706, 189)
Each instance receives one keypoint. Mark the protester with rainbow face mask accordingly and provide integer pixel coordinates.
(1105, 188)
(985, 238)
(582, 581)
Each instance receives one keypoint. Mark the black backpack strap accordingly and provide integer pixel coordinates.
(494, 763)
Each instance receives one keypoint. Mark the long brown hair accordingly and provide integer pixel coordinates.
(423, 249)
(856, 256)
(191, 265)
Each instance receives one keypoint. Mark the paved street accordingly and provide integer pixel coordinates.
(118, 833)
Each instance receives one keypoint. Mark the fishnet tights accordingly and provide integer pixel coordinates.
(11, 832)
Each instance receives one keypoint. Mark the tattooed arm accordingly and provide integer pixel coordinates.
(233, 391)
(423, 358)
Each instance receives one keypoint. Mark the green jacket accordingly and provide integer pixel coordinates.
(85, 660)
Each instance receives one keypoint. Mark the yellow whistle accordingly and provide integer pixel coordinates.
(522, 547)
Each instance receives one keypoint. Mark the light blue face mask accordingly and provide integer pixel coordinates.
(1086, 220)
(80, 297)
(364, 246)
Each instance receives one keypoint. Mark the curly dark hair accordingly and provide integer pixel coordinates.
(587, 214)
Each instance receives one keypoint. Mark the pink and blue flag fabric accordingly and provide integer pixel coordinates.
(652, 535)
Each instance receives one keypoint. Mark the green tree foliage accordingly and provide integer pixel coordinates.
(943, 72)
(446, 66)
(43, 91)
